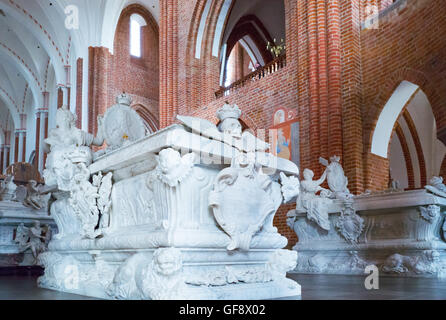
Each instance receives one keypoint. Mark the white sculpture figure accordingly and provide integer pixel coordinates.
(290, 187)
(66, 134)
(35, 238)
(173, 168)
(83, 201)
(436, 186)
(122, 124)
(67, 169)
(8, 189)
(309, 201)
(163, 279)
(282, 262)
(316, 206)
(336, 179)
(34, 197)
(229, 130)
(104, 186)
(68, 145)
(157, 277)
(229, 117)
(242, 200)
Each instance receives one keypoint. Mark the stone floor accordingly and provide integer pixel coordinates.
(313, 288)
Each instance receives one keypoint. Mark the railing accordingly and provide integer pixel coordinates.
(269, 68)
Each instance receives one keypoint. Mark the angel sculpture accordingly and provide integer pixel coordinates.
(336, 179)
(308, 200)
(34, 197)
(35, 238)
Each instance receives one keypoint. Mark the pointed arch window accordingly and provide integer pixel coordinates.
(136, 23)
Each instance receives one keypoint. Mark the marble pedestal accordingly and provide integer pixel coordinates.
(164, 241)
(403, 235)
(12, 214)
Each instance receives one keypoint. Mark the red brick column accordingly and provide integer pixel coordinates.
(37, 157)
(352, 95)
(2, 157)
(334, 76)
(323, 77)
(99, 64)
(168, 61)
(314, 87)
(7, 156)
(45, 135)
(16, 147)
(79, 84)
(59, 97)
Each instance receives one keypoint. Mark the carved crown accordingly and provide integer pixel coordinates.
(228, 111)
(124, 99)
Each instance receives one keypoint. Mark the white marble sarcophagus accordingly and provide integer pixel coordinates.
(184, 213)
(400, 232)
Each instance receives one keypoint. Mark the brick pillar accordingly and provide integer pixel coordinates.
(79, 84)
(6, 160)
(45, 134)
(38, 142)
(2, 157)
(60, 97)
(334, 76)
(301, 54)
(314, 88)
(352, 95)
(16, 146)
(99, 63)
(323, 77)
(168, 61)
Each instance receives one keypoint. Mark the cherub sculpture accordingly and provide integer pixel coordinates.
(35, 238)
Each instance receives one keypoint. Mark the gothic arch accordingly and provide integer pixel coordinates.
(150, 120)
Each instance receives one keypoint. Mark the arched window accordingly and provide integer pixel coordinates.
(136, 23)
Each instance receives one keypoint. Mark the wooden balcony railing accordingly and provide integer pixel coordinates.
(269, 68)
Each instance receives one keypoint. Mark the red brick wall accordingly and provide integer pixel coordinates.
(402, 49)
(111, 75)
(79, 84)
